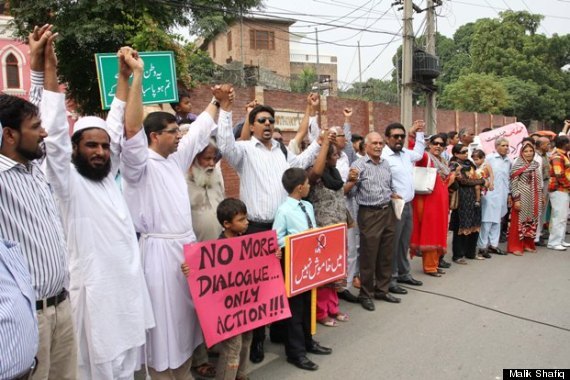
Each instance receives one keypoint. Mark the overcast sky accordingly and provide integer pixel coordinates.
(374, 23)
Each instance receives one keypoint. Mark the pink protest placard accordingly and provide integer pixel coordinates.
(514, 132)
(236, 284)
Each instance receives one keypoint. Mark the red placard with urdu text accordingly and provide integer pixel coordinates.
(315, 258)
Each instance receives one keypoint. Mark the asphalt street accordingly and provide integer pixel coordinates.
(433, 336)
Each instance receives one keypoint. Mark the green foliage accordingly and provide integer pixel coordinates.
(374, 90)
(477, 93)
(304, 82)
(87, 27)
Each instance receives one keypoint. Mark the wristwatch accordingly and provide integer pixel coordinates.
(215, 102)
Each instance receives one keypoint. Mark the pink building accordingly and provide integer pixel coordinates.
(14, 62)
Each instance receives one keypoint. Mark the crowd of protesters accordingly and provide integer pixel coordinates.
(92, 275)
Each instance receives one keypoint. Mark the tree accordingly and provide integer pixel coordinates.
(374, 90)
(477, 93)
(87, 27)
(305, 81)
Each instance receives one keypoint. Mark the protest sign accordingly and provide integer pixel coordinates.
(314, 258)
(514, 132)
(159, 77)
(236, 284)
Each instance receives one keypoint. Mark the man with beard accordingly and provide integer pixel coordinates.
(401, 161)
(154, 164)
(206, 191)
(29, 216)
(110, 300)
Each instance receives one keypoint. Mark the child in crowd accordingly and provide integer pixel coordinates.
(483, 171)
(183, 108)
(292, 217)
(234, 352)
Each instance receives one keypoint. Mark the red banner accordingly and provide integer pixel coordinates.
(514, 132)
(315, 258)
(236, 284)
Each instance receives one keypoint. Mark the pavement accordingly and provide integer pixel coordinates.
(433, 334)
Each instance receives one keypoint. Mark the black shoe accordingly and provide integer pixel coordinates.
(444, 264)
(304, 363)
(367, 303)
(397, 290)
(485, 253)
(503, 238)
(540, 243)
(347, 296)
(317, 349)
(256, 355)
(387, 297)
(497, 251)
(410, 281)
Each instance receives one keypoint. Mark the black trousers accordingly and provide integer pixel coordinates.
(298, 327)
(253, 228)
(464, 245)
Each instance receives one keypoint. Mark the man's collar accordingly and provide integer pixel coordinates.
(7, 163)
(256, 142)
(369, 159)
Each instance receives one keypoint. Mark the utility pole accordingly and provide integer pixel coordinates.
(431, 106)
(407, 59)
(241, 48)
(317, 43)
(359, 69)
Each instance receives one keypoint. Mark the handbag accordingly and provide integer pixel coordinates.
(424, 178)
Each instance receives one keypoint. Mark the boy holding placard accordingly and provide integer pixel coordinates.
(292, 217)
(234, 352)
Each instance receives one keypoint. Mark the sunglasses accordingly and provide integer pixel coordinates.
(397, 137)
(262, 120)
(464, 152)
(438, 143)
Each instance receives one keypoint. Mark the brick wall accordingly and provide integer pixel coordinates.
(365, 115)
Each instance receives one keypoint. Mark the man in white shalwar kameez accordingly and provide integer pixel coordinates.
(154, 164)
(110, 301)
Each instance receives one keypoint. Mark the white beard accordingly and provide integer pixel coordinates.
(202, 177)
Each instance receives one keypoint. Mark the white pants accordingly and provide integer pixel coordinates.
(559, 202)
(489, 235)
(121, 368)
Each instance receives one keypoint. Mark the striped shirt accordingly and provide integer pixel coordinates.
(374, 186)
(29, 216)
(260, 169)
(18, 325)
(559, 171)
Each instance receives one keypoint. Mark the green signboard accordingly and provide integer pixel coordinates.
(159, 77)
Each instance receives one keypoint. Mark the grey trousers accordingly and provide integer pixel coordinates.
(400, 262)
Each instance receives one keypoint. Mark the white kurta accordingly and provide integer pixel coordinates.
(494, 203)
(109, 297)
(156, 193)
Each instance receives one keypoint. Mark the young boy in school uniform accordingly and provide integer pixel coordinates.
(294, 216)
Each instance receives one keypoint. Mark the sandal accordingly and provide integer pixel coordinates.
(341, 317)
(517, 253)
(205, 370)
(328, 322)
(440, 271)
(460, 261)
(479, 257)
(433, 274)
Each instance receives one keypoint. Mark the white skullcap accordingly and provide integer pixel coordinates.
(89, 122)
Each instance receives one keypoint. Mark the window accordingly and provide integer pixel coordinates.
(12, 72)
(261, 39)
(229, 40)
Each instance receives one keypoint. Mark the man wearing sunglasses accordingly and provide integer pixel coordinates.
(260, 164)
(401, 162)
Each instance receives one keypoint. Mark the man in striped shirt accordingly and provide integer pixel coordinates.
(18, 325)
(559, 188)
(29, 216)
(260, 164)
(373, 191)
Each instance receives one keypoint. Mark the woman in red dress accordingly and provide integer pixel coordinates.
(431, 211)
(526, 190)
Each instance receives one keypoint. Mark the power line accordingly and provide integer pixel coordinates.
(379, 54)
(503, 9)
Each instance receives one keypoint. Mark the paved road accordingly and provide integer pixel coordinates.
(433, 337)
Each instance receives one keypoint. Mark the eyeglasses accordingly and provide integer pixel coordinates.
(340, 135)
(172, 131)
(438, 143)
(262, 120)
(397, 137)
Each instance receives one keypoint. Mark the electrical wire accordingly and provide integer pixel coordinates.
(377, 56)
(490, 308)
(503, 9)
